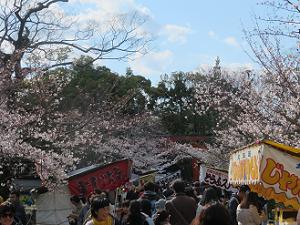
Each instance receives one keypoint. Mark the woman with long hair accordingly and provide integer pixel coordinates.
(214, 214)
(135, 216)
(247, 211)
(210, 196)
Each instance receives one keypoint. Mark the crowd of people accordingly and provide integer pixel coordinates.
(176, 204)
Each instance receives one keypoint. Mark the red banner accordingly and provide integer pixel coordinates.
(106, 178)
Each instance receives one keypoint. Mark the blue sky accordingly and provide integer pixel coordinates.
(188, 34)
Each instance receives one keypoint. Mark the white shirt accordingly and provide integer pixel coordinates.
(249, 216)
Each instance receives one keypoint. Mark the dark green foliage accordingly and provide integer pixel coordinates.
(175, 103)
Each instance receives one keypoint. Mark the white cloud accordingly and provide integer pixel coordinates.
(176, 33)
(232, 42)
(211, 34)
(152, 64)
(102, 14)
(97, 9)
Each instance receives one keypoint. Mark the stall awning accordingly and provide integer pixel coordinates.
(288, 149)
(271, 169)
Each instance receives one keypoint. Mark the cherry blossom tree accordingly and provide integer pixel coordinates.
(149, 146)
(36, 36)
(13, 145)
(261, 103)
(280, 19)
(253, 105)
(34, 128)
(40, 128)
(38, 42)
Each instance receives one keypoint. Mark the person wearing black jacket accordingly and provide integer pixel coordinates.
(136, 217)
(20, 214)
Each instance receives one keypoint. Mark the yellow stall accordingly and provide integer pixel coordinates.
(270, 169)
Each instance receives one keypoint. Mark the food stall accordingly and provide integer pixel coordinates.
(273, 171)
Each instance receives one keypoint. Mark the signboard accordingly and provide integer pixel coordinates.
(105, 178)
(147, 178)
(280, 176)
(169, 178)
(244, 166)
(216, 178)
(270, 171)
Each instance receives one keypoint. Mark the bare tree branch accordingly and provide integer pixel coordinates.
(33, 30)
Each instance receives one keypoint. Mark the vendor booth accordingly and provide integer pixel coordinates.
(215, 177)
(107, 177)
(270, 169)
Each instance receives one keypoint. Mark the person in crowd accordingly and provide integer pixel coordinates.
(189, 191)
(14, 199)
(210, 196)
(100, 212)
(160, 206)
(163, 218)
(247, 211)
(159, 191)
(85, 209)
(132, 194)
(203, 187)
(219, 193)
(83, 199)
(77, 207)
(150, 194)
(225, 198)
(124, 212)
(181, 207)
(136, 216)
(215, 214)
(168, 192)
(197, 189)
(146, 207)
(85, 214)
(7, 214)
(235, 201)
